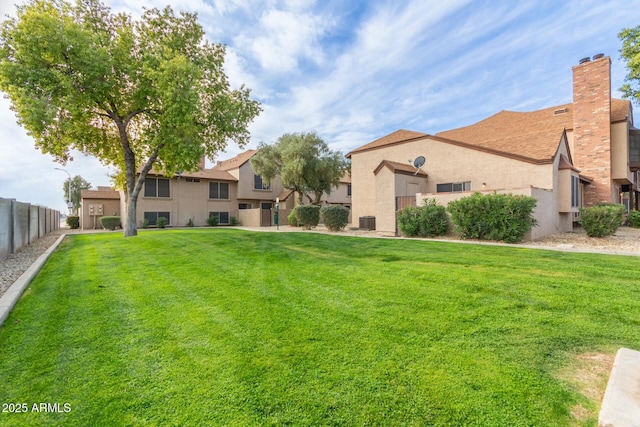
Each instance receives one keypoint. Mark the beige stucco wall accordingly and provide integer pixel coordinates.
(620, 153)
(246, 191)
(444, 163)
(188, 200)
(110, 207)
(338, 196)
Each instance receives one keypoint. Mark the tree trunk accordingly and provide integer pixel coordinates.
(130, 227)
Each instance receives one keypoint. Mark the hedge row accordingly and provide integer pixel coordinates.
(504, 217)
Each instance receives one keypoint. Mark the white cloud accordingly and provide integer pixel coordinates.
(285, 38)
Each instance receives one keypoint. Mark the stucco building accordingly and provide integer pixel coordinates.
(577, 154)
(228, 190)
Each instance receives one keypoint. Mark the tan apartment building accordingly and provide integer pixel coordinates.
(228, 190)
(578, 154)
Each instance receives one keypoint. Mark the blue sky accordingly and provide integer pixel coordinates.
(354, 71)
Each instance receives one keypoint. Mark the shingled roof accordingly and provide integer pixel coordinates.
(530, 136)
(399, 136)
(99, 194)
(236, 161)
(401, 168)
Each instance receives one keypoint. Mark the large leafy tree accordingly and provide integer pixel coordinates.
(304, 163)
(630, 52)
(136, 94)
(77, 184)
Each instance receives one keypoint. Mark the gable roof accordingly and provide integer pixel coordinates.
(100, 194)
(211, 174)
(529, 136)
(400, 168)
(397, 137)
(235, 162)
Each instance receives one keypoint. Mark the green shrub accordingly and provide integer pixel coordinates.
(233, 221)
(190, 223)
(293, 220)
(73, 222)
(162, 222)
(213, 220)
(634, 219)
(334, 217)
(601, 220)
(145, 223)
(308, 216)
(505, 217)
(429, 220)
(110, 222)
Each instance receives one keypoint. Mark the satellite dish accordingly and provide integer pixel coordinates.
(418, 163)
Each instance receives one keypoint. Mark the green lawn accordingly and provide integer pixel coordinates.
(227, 327)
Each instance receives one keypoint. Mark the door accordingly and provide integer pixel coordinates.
(265, 214)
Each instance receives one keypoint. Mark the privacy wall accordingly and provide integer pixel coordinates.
(23, 223)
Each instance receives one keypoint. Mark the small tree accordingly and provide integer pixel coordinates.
(630, 52)
(136, 94)
(305, 164)
(78, 184)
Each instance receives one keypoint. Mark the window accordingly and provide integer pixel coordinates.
(245, 206)
(152, 217)
(156, 187)
(258, 184)
(223, 217)
(634, 147)
(348, 190)
(218, 190)
(193, 179)
(575, 192)
(454, 187)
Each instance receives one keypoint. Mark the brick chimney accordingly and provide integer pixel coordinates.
(592, 127)
(202, 163)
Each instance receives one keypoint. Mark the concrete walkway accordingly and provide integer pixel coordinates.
(621, 402)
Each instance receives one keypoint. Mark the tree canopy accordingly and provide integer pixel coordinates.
(630, 52)
(135, 94)
(78, 184)
(304, 163)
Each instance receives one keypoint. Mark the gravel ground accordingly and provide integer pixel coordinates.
(625, 240)
(12, 267)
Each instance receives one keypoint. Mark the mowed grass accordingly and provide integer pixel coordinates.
(235, 328)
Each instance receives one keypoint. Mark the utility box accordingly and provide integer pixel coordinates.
(367, 223)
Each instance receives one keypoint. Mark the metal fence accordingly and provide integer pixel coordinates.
(23, 223)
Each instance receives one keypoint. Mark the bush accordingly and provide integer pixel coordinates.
(190, 223)
(162, 222)
(73, 222)
(601, 220)
(334, 217)
(233, 221)
(213, 220)
(110, 222)
(145, 223)
(293, 220)
(429, 220)
(634, 219)
(505, 217)
(308, 216)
